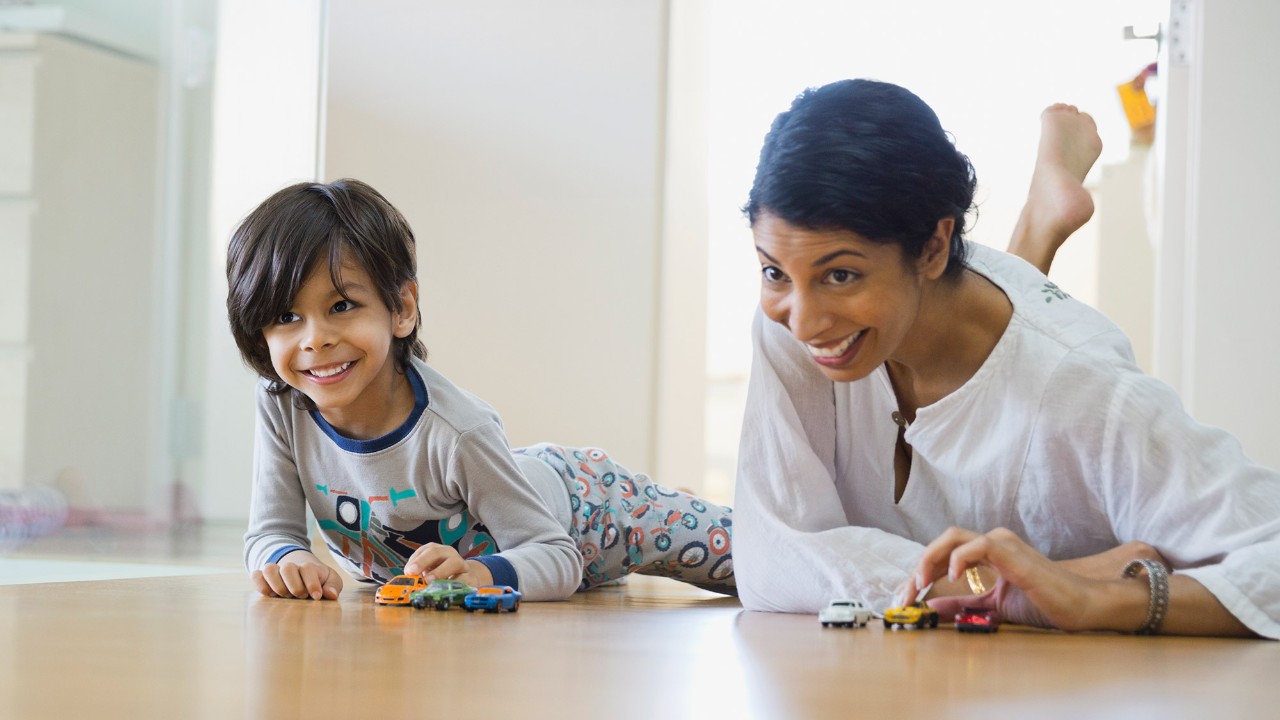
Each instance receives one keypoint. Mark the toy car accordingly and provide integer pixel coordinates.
(979, 620)
(493, 598)
(398, 589)
(845, 613)
(916, 614)
(440, 594)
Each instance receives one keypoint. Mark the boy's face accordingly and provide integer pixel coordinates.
(337, 350)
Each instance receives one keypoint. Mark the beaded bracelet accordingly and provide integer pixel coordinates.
(1158, 606)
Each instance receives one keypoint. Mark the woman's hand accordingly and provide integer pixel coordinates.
(435, 561)
(1031, 589)
(298, 575)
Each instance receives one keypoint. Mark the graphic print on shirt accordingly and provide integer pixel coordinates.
(1052, 291)
(360, 536)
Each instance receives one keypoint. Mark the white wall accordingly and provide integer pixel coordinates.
(265, 129)
(1219, 330)
(524, 143)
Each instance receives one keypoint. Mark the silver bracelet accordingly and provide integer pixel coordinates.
(1158, 606)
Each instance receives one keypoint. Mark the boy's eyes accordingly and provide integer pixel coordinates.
(341, 306)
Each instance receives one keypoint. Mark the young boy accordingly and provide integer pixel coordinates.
(405, 472)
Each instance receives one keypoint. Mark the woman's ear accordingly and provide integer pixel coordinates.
(406, 318)
(937, 250)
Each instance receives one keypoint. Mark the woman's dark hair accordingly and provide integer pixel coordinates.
(869, 157)
(277, 247)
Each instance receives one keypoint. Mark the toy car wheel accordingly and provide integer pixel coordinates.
(443, 604)
(888, 625)
(418, 603)
(933, 621)
(826, 624)
(468, 608)
(515, 606)
(493, 609)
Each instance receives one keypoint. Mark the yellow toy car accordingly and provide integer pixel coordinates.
(916, 615)
(398, 589)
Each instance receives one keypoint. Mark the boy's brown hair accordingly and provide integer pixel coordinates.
(275, 249)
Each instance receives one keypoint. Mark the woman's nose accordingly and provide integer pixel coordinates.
(807, 318)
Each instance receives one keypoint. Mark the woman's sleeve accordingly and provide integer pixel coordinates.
(535, 548)
(1189, 490)
(278, 508)
(793, 547)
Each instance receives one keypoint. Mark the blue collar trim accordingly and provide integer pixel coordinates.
(420, 402)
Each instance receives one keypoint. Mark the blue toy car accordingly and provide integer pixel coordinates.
(493, 598)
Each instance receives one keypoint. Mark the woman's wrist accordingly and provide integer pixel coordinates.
(1121, 605)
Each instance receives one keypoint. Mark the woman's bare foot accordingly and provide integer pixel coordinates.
(1058, 203)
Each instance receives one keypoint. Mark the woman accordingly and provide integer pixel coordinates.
(919, 406)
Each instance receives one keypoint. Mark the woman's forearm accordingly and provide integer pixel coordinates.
(1193, 610)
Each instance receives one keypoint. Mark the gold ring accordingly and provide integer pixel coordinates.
(975, 581)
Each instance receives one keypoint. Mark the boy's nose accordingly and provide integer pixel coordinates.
(318, 337)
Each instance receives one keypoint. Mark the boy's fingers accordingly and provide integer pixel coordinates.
(450, 565)
(260, 583)
(293, 582)
(332, 586)
(271, 576)
(416, 564)
(313, 578)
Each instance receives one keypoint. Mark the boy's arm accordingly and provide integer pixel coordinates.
(537, 555)
(277, 511)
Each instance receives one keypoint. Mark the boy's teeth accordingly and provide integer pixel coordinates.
(838, 350)
(330, 371)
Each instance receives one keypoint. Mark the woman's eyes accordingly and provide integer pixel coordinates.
(772, 274)
(842, 277)
(835, 277)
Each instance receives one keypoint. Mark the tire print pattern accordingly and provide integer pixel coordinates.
(626, 523)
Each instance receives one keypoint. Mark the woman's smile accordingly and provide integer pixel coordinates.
(839, 354)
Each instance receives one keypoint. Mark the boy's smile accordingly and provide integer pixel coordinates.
(335, 347)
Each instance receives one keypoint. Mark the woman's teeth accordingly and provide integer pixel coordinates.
(329, 372)
(838, 350)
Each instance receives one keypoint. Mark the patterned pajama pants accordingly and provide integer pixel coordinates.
(625, 523)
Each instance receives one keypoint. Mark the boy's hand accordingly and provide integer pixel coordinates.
(434, 561)
(299, 575)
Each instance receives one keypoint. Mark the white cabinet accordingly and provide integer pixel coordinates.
(18, 61)
(79, 163)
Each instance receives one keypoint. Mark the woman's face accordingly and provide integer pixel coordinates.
(852, 302)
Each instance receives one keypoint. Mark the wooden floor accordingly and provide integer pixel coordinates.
(205, 646)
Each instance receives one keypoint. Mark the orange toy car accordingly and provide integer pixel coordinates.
(398, 590)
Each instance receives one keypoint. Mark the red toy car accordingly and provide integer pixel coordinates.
(979, 620)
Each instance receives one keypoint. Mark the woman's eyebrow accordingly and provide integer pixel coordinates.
(770, 258)
(838, 253)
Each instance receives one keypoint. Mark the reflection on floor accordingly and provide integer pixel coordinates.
(105, 553)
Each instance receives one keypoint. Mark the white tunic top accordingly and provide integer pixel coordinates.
(1059, 437)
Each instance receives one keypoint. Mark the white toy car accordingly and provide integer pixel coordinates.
(845, 613)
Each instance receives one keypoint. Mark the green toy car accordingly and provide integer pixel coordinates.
(440, 594)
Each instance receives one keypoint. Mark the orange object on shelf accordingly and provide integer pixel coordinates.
(1137, 107)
